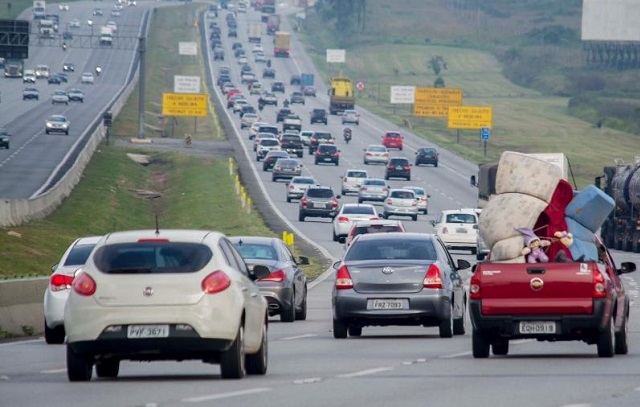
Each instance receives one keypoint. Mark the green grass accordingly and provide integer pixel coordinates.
(524, 120)
(195, 191)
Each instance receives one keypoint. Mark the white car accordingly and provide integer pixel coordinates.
(237, 106)
(306, 135)
(63, 7)
(150, 295)
(255, 88)
(376, 153)
(57, 123)
(265, 145)
(260, 136)
(352, 181)
(248, 119)
(74, 23)
(257, 48)
(112, 24)
(458, 229)
(351, 116)
(297, 186)
(253, 130)
(373, 189)
(57, 292)
(362, 227)
(60, 96)
(421, 197)
(87, 78)
(350, 213)
(400, 202)
(29, 76)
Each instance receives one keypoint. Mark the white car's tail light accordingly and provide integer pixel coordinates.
(433, 278)
(60, 282)
(343, 219)
(215, 282)
(84, 285)
(343, 278)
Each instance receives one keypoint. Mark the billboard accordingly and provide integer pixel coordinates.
(336, 55)
(184, 104)
(610, 20)
(403, 94)
(469, 117)
(435, 101)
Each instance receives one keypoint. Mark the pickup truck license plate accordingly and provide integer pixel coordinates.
(537, 327)
(147, 331)
(385, 304)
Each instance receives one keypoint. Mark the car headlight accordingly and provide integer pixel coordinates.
(49, 125)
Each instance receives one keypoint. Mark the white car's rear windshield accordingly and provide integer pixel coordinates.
(152, 257)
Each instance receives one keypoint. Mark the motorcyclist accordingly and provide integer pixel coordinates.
(286, 103)
(346, 134)
(64, 46)
(98, 70)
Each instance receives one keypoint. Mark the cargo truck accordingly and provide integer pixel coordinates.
(306, 79)
(281, 44)
(268, 7)
(255, 33)
(39, 9)
(106, 36)
(341, 96)
(46, 28)
(13, 68)
(273, 24)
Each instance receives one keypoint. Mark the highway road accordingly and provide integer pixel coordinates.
(393, 366)
(32, 162)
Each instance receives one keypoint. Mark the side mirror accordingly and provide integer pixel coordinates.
(338, 196)
(627, 267)
(463, 264)
(428, 196)
(473, 181)
(433, 222)
(336, 265)
(303, 260)
(259, 271)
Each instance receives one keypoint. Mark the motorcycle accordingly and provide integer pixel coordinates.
(64, 46)
(347, 135)
(98, 71)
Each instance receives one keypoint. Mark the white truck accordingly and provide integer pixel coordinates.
(106, 36)
(39, 9)
(46, 28)
(255, 33)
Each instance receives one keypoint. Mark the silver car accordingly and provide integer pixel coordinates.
(400, 202)
(297, 186)
(60, 96)
(398, 279)
(373, 189)
(285, 288)
(376, 153)
(57, 123)
(421, 197)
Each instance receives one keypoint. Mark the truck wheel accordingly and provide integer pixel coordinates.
(339, 329)
(606, 340)
(480, 344)
(500, 346)
(621, 338)
(108, 368)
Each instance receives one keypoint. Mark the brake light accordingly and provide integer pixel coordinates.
(335, 203)
(152, 240)
(291, 186)
(363, 188)
(313, 139)
(374, 218)
(83, 284)
(369, 154)
(599, 289)
(445, 230)
(60, 282)
(474, 287)
(275, 276)
(343, 279)
(390, 166)
(406, 167)
(343, 219)
(414, 203)
(215, 282)
(303, 202)
(433, 278)
(317, 152)
(385, 189)
(337, 153)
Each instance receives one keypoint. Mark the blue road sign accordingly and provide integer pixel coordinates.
(485, 132)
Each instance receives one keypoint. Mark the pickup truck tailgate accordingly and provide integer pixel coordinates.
(536, 289)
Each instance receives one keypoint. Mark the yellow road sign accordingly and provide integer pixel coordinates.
(435, 101)
(470, 117)
(184, 104)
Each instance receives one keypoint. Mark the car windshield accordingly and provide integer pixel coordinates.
(375, 182)
(402, 194)
(418, 191)
(320, 193)
(377, 148)
(361, 230)
(78, 255)
(461, 218)
(306, 181)
(268, 142)
(359, 210)
(357, 174)
(152, 257)
(391, 249)
(256, 251)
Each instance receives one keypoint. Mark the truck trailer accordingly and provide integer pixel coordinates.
(282, 44)
(255, 33)
(341, 95)
(273, 24)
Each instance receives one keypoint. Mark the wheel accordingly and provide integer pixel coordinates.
(606, 340)
(66, 133)
(365, 162)
(409, 178)
(274, 179)
(414, 218)
(301, 314)
(474, 251)
(500, 346)
(288, 199)
(79, 368)
(339, 329)
(360, 201)
(315, 162)
(386, 177)
(257, 363)
(621, 338)
(46, 132)
(636, 244)
(446, 326)
(335, 237)
(301, 217)
(337, 163)
(385, 215)
(480, 344)
(289, 314)
(355, 331)
(54, 336)
(459, 324)
(108, 368)
(232, 360)
(435, 165)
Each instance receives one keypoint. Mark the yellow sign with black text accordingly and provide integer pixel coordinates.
(435, 102)
(469, 117)
(184, 104)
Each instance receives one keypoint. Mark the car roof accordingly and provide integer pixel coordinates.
(370, 222)
(298, 178)
(180, 235)
(87, 240)
(396, 236)
(253, 239)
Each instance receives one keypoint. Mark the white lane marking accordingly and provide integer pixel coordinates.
(636, 389)
(577, 405)
(4, 377)
(20, 342)
(290, 338)
(455, 355)
(309, 380)
(226, 395)
(53, 371)
(365, 372)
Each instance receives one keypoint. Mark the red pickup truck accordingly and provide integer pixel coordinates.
(550, 302)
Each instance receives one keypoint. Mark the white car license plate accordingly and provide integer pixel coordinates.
(147, 331)
(461, 230)
(385, 304)
(537, 327)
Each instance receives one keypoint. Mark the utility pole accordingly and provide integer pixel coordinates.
(141, 88)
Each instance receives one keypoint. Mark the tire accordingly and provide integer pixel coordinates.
(409, 178)
(79, 368)
(622, 337)
(257, 363)
(480, 345)
(301, 314)
(339, 329)
(232, 360)
(606, 340)
(414, 218)
(288, 199)
(355, 331)
(385, 215)
(500, 347)
(54, 336)
(446, 326)
(301, 217)
(289, 314)
(274, 179)
(335, 237)
(435, 165)
(459, 324)
(108, 368)
(474, 251)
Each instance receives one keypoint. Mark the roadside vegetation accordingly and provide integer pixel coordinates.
(178, 189)
(522, 58)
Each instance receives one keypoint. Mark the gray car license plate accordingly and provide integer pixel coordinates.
(384, 304)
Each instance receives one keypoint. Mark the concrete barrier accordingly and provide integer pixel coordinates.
(21, 309)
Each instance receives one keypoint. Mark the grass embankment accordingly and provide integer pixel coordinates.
(524, 120)
(195, 191)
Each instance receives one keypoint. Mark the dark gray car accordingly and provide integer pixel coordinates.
(285, 289)
(398, 278)
(286, 168)
(318, 201)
